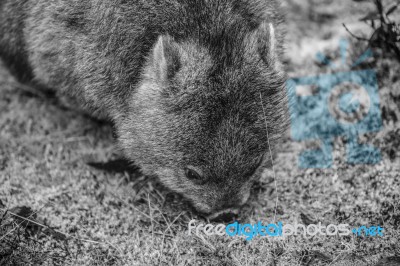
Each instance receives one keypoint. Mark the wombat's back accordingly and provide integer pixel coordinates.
(95, 50)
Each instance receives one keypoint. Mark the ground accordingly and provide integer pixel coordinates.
(55, 209)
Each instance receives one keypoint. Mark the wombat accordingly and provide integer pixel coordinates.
(195, 89)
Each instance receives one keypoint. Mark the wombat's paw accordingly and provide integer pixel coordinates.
(114, 166)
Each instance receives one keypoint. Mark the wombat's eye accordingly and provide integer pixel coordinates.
(193, 175)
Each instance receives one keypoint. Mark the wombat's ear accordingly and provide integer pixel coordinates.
(166, 59)
(267, 43)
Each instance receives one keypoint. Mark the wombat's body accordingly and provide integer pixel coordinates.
(182, 81)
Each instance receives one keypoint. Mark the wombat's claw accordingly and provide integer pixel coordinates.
(224, 216)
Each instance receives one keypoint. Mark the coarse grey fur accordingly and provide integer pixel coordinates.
(183, 82)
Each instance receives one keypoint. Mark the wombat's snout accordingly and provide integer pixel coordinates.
(229, 210)
(223, 208)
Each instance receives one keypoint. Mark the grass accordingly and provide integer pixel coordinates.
(55, 209)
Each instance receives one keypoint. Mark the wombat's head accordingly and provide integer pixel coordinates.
(206, 116)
